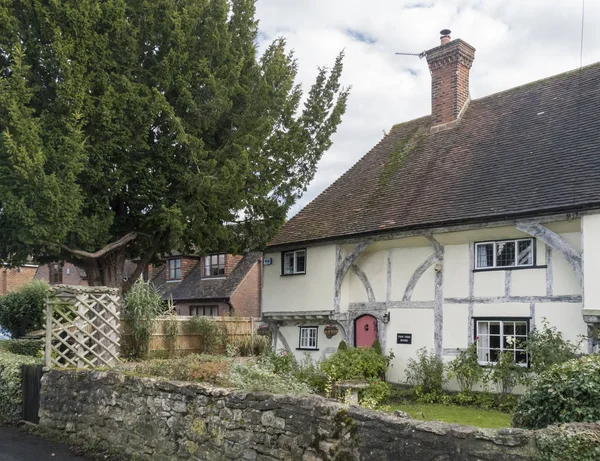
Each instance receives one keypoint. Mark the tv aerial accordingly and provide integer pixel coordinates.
(445, 38)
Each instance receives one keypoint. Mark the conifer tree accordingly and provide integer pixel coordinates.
(130, 128)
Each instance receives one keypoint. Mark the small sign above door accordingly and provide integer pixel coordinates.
(404, 338)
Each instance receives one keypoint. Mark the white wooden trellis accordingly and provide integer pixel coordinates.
(82, 327)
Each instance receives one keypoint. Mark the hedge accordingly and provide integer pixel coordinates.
(29, 347)
(11, 400)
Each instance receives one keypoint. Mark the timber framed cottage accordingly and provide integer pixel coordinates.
(474, 223)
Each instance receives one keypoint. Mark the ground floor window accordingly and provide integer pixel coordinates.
(308, 337)
(495, 336)
(204, 310)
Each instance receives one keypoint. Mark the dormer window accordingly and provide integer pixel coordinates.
(214, 265)
(55, 273)
(174, 269)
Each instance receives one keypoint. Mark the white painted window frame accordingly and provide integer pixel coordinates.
(295, 262)
(496, 242)
(305, 340)
(502, 335)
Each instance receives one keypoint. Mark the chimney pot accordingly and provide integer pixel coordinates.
(445, 36)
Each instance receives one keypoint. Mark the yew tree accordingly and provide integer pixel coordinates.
(131, 128)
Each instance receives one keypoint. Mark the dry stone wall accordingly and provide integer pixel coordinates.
(163, 420)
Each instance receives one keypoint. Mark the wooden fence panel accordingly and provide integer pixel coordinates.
(189, 342)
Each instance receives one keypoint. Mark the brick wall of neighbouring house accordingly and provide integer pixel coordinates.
(187, 264)
(246, 299)
(230, 262)
(11, 279)
(71, 275)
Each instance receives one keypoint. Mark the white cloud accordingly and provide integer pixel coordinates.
(517, 42)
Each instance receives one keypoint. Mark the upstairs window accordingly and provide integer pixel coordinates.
(175, 269)
(55, 274)
(214, 265)
(207, 311)
(495, 336)
(294, 262)
(308, 337)
(504, 254)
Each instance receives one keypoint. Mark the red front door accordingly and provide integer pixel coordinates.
(365, 331)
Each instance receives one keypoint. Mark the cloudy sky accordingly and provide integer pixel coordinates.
(517, 41)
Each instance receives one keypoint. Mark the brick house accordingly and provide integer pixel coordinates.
(212, 285)
(13, 278)
(470, 225)
(61, 272)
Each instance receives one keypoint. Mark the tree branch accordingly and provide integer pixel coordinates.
(107, 249)
(142, 263)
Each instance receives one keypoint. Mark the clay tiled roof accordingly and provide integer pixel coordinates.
(531, 150)
(193, 286)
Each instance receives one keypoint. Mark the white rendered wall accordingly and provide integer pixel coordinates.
(312, 291)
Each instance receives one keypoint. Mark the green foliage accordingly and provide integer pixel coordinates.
(142, 305)
(342, 346)
(156, 119)
(564, 393)
(426, 373)
(465, 369)
(356, 363)
(23, 310)
(11, 398)
(246, 345)
(547, 347)
(506, 374)
(171, 326)
(29, 347)
(377, 347)
(374, 395)
(280, 362)
(213, 335)
(569, 445)
(260, 375)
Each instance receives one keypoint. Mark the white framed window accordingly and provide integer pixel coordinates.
(293, 262)
(495, 336)
(308, 337)
(504, 253)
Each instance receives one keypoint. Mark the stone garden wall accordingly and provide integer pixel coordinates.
(161, 420)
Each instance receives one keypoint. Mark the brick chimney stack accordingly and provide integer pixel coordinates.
(449, 65)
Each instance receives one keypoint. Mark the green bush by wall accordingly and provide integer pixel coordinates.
(564, 393)
(23, 310)
(29, 347)
(11, 400)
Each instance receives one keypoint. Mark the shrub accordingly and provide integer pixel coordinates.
(465, 369)
(564, 393)
(573, 444)
(260, 375)
(11, 398)
(377, 347)
(342, 346)
(23, 310)
(29, 347)
(356, 363)
(547, 347)
(426, 373)
(374, 395)
(213, 334)
(194, 367)
(281, 361)
(247, 346)
(143, 304)
(309, 372)
(506, 374)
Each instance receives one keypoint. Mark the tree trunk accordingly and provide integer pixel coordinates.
(106, 270)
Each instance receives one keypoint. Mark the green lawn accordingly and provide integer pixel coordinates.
(453, 414)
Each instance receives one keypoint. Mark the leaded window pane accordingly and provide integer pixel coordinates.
(505, 254)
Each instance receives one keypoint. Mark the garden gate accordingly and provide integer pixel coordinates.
(82, 327)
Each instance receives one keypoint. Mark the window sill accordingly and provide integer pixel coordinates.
(220, 277)
(517, 268)
(297, 273)
(174, 280)
(306, 349)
